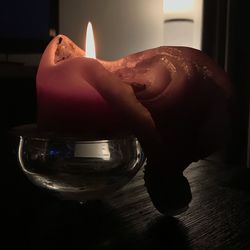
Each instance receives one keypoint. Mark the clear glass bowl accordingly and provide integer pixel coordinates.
(78, 167)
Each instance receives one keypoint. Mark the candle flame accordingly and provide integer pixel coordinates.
(90, 42)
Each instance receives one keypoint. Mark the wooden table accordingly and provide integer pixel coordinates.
(218, 217)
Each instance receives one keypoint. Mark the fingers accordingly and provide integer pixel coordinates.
(122, 97)
(172, 98)
(163, 95)
(190, 91)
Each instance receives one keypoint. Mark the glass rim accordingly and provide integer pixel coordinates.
(34, 132)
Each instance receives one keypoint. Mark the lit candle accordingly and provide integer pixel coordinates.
(77, 94)
(173, 98)
(90, 42)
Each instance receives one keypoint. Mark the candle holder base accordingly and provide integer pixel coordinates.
(77, 167)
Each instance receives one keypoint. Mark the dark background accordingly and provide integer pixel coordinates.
(26, 26)
(225, 38)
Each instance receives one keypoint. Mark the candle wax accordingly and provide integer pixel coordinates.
(174, 99)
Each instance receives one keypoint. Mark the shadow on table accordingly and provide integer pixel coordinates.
(239, 179)
(69, 225)
(34, 219)
(166, 233)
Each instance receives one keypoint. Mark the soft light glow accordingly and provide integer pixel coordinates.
(93, 150)
(178, 5)
(90, 42)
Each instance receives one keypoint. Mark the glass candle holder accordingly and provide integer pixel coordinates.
(78, 167)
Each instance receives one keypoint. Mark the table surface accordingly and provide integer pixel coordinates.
(218, 216)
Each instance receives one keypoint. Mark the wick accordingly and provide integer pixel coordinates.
(60, 40)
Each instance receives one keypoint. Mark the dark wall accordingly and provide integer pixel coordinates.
(226, 39)
(18, 92)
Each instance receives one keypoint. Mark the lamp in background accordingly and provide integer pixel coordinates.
(178, 6)
(183, 22)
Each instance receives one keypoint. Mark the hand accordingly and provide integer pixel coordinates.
(174, 99)
(188, 97)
